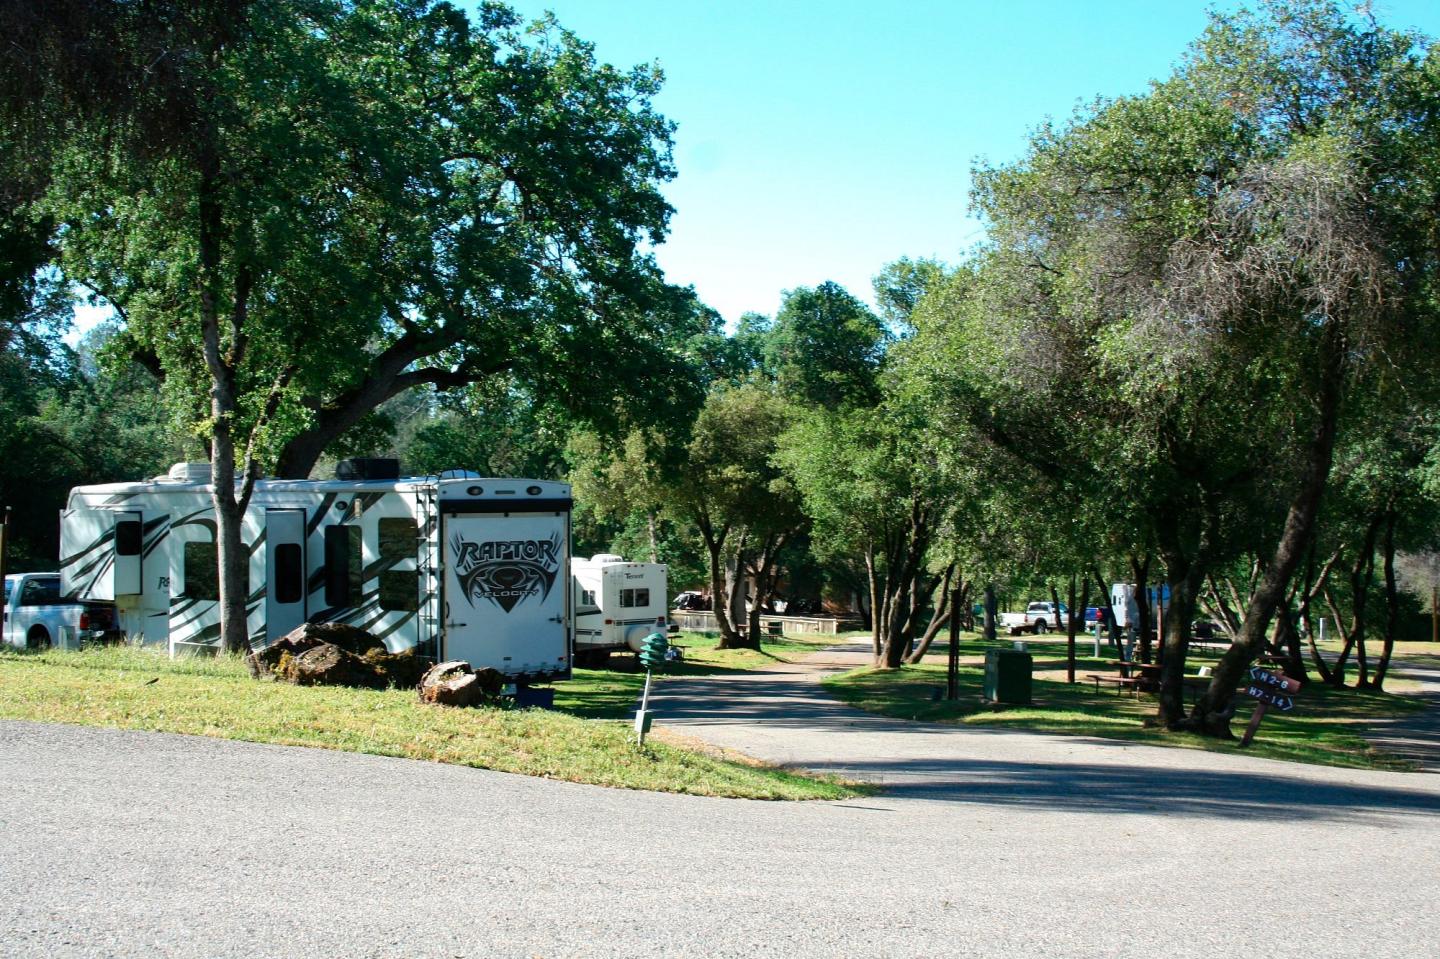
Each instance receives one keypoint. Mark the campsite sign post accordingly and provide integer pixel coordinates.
(1268, 689)
(651, 656)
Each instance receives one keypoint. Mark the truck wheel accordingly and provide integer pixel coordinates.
(1041, 627)
(37, 638)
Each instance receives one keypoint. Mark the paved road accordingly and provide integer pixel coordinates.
(134, 844)
(1415, 736)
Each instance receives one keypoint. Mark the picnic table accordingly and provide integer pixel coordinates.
(1141, 678)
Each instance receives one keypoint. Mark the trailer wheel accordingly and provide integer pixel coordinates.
(37, 638)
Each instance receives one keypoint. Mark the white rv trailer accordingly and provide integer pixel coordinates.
(617, 604)
(455, 566)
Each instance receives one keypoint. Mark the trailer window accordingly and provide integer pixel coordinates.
(399, 588)
(342, 565)
(202, 573)
(289, 573)
(128, 538)
(202, 577)
(587, 597)
(635, 597)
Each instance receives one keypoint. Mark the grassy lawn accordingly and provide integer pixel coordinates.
(611, 693)
(125, 688)
(1323, 728)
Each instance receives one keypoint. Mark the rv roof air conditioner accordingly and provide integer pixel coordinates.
(367, 468)
(189, 473)
(459, 474)
(600, 558)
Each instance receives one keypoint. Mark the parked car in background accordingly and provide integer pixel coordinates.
(1039, 617)
(692, 600)
(37, 616)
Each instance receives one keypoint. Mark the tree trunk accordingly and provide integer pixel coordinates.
(1313, 586)
(1212, 712)
(1109, 623)
(734, 580)
(1070, 628)
(990, 612)
(1223, 611)
(939, 620)
(1362, 575)
(1288, 639)
(1185, 576)
(232, 556)
(720, 596)
(872, 576)
(1141, 572)
(1392, 602)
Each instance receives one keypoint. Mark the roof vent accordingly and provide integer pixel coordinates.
(189, 473)
(367, 468)
(603, 558)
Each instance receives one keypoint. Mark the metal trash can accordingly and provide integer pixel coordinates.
(1007, 676)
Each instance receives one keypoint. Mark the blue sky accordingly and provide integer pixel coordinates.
(821, 140)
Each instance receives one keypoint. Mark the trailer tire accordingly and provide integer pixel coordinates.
(37, 638)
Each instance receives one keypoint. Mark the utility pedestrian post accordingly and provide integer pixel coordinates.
(952, 664)
(652, 656)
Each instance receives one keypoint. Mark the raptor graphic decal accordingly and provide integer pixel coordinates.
(506, 572)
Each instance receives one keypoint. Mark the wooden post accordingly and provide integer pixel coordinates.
(1434, 614)
(1260, 707)
(952, 664)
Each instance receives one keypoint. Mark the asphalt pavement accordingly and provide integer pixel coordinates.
(983, 843)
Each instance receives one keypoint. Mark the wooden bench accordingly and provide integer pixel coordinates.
(1132, 683)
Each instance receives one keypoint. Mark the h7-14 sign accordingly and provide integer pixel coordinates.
(1271, 689)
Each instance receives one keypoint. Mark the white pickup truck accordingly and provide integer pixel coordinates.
(1037, 618)
(36, 616)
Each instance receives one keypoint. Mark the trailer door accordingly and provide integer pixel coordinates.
(284, 571)
(506, 588)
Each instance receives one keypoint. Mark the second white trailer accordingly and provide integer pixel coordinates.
(617, 604)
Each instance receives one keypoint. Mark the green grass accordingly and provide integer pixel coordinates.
(126, 688)
(611, 693)
(1324, 728)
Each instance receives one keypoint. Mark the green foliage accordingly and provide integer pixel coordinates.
(825, 348)
(400, 196)
(68, 421)
(1148, 326)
